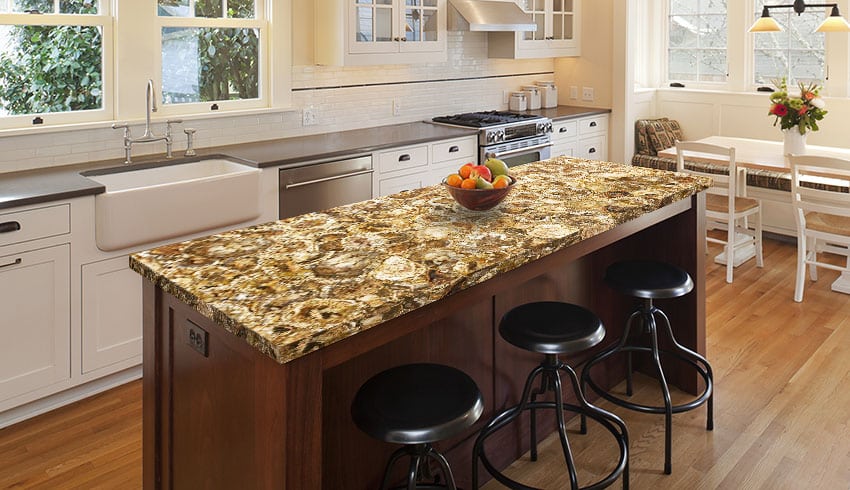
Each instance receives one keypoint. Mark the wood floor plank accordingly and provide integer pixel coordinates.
(782, 372)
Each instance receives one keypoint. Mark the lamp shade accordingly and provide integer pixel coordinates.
(766, 23)
(834, 23)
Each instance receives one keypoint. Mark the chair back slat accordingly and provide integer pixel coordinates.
(722, 184)
(831, 175)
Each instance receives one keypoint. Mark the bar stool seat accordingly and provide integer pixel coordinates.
(552, 328)
(649, 280)
(416, 405)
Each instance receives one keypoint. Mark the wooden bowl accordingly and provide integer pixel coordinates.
(479, 199)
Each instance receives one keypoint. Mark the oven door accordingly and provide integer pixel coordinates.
(513, 156)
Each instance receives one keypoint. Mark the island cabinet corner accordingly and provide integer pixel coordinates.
(218, 413)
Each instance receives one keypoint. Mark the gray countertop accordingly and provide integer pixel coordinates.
(50, 184)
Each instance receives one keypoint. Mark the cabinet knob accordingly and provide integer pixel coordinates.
(454, 149)
(562, 130)
(404, 39)
(404, 158)
(592, 150)
(592, 124)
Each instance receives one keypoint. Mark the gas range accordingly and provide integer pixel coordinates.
(513, 137)
(499, 126)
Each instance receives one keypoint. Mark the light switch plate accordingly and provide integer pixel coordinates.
(587, 94)
(573, 92)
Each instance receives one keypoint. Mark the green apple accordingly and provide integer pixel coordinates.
(496, 166)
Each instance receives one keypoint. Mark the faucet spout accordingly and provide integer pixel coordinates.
(150, 106)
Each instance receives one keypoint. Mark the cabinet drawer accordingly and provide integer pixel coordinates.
(453, 150)
(592, 148)
(564, 130)
(593, 125)
(33, 224)
(402, 183)
(405, 158)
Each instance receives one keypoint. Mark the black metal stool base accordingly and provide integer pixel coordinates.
(550, 380)
(419, 471)
(646, 313)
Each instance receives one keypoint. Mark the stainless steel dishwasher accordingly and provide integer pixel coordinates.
(324, 185)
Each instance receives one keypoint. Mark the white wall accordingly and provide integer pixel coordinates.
(342, 98)
(744, 115)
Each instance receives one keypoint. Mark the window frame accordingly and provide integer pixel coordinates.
(102, 20)
(665, 63)
(259, 22)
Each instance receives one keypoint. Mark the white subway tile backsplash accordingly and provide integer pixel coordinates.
(343, 98)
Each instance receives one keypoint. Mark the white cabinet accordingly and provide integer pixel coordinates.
(558, 24)
(112, 314)
(585, 137)
(36, 311)
(372, 32)
(412, 167)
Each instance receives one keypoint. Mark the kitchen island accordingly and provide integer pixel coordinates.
(255, 340)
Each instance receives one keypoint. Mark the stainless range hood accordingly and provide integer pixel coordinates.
(493, 16)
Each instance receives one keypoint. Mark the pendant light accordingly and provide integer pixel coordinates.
(834, 23)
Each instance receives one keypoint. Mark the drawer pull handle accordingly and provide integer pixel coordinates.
(16, 262)
(454, 149)
(562, 130)
(9, 226)
(592, 124)
(592, 150)
(404, 158)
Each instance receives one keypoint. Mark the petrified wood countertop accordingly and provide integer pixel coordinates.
(293, 286)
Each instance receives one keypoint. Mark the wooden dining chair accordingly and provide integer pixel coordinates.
(726, 203)
(822, 211)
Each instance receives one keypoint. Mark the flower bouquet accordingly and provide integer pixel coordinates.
(802, 110)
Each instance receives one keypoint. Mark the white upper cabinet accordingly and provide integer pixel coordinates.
(558, 25)
(374, 32)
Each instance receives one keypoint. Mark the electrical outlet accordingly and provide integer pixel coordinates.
(506, 97)
(308, 116)
(587, 94)
(396, 107)
(573, 92)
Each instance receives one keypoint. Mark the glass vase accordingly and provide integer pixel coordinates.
(794, 143)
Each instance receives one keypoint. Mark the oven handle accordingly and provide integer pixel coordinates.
(520, 150)
(326, 179)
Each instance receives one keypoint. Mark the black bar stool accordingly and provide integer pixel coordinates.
(552, 328)
(650, 280)
(415, 405)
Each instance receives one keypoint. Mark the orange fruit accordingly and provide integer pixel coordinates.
(465, 170)
(454, 180)
(468, 184)
(500, 183)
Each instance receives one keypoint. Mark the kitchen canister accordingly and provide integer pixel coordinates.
(548, 94)
(518, 102)
(532, 95)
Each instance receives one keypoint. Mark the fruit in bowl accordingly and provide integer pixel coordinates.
(480, 187)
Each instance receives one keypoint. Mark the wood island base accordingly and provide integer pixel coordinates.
(220, 414)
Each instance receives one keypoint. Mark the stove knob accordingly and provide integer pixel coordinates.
(500, 136)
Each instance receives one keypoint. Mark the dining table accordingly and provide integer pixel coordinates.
(757, 154)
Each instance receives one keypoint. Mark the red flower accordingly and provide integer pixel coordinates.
(802, 111)
(779, 110)
(809, 95)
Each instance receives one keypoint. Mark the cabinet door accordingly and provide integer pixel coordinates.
(423, 25)
(36, 330)
(561, 23)
(373, 26)
(537, 10)
(112, 313)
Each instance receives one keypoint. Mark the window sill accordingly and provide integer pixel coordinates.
(58, 128)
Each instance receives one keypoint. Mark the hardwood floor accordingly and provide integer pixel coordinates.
(782, 406)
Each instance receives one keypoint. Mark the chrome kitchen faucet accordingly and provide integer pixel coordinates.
(148, 137)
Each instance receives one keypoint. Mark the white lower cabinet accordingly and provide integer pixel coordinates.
(112, 313)
(585, 137)
(412, 167)
(35, 291)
